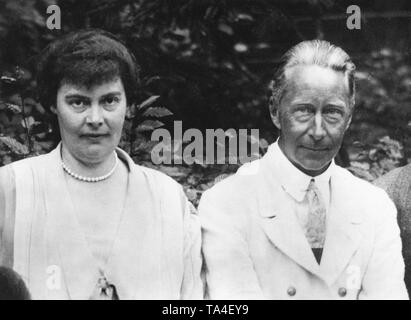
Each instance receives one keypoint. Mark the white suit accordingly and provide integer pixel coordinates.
(255, 248)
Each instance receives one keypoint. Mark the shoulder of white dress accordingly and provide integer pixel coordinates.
(159, 179)
(40, 160)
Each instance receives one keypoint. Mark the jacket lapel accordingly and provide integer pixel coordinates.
(280, 223)
(343, 228)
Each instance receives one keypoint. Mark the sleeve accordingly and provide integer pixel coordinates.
(229, 270)
(384, 276)
(7, 211)
(388, 181)
(192, 286)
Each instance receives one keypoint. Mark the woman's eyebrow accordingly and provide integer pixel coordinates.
(114, 93)
(75, 95)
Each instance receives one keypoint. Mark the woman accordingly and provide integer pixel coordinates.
(84, 221)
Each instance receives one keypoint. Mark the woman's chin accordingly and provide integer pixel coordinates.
(95, 153)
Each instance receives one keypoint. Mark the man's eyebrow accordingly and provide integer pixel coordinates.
(301, 101)
(337, 102)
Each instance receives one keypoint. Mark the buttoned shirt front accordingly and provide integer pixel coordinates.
(295, 183)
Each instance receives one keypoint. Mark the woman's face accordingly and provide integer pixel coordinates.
(91, 119)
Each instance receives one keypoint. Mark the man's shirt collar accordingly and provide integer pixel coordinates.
(294, 181)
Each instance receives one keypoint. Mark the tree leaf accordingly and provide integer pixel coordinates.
(147, 102)
(157, 112)
(149, 125)
(13, 108)
(225, 28)
(244, 17)
(30, 122)
(7, 79)
(14, 145)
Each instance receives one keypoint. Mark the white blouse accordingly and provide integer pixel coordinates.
(156, 254)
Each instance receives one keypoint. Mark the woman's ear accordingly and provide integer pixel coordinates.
(53, 109)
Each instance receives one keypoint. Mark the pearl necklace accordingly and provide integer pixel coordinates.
(90, 179)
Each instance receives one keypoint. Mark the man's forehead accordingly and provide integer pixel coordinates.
(311, 77)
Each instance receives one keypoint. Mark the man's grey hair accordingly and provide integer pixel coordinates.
(313, 52)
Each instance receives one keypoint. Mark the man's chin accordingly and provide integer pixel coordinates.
(313, 168)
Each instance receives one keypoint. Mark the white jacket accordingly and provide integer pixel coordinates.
(254, 247)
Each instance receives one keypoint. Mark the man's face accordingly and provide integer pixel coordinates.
(313, 116)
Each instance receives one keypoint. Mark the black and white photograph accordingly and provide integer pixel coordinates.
(205, 150)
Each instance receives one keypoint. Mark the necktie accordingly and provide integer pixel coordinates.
(104, 290)
(316, 227)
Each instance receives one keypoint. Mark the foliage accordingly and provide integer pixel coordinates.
(379, 137)
(208, 64)
(378, 158)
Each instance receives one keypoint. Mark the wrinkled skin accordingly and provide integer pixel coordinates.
(312, 116)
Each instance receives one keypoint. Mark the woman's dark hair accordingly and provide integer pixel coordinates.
(12, 286)
(85, 58)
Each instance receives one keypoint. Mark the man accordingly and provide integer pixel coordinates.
(294, 225)
(397, 183)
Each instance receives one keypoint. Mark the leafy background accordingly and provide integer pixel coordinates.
(208, 63)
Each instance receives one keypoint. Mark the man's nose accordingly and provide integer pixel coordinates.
(317, 131)
(95, 116)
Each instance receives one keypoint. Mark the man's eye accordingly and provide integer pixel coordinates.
(304, 109)
(303, 112)
(333, 113)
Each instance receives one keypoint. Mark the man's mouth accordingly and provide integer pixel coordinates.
(317, 149)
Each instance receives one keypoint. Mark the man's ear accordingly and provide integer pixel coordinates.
(53, 109)
(348, 122)
(275, 114)
(351, 105)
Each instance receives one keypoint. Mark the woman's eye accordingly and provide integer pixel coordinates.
(77, 104)
(110, 101)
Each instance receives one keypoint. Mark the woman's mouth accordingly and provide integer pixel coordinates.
(94, 136)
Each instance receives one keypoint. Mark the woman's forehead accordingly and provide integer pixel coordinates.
(115, 84)
(90, 72)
